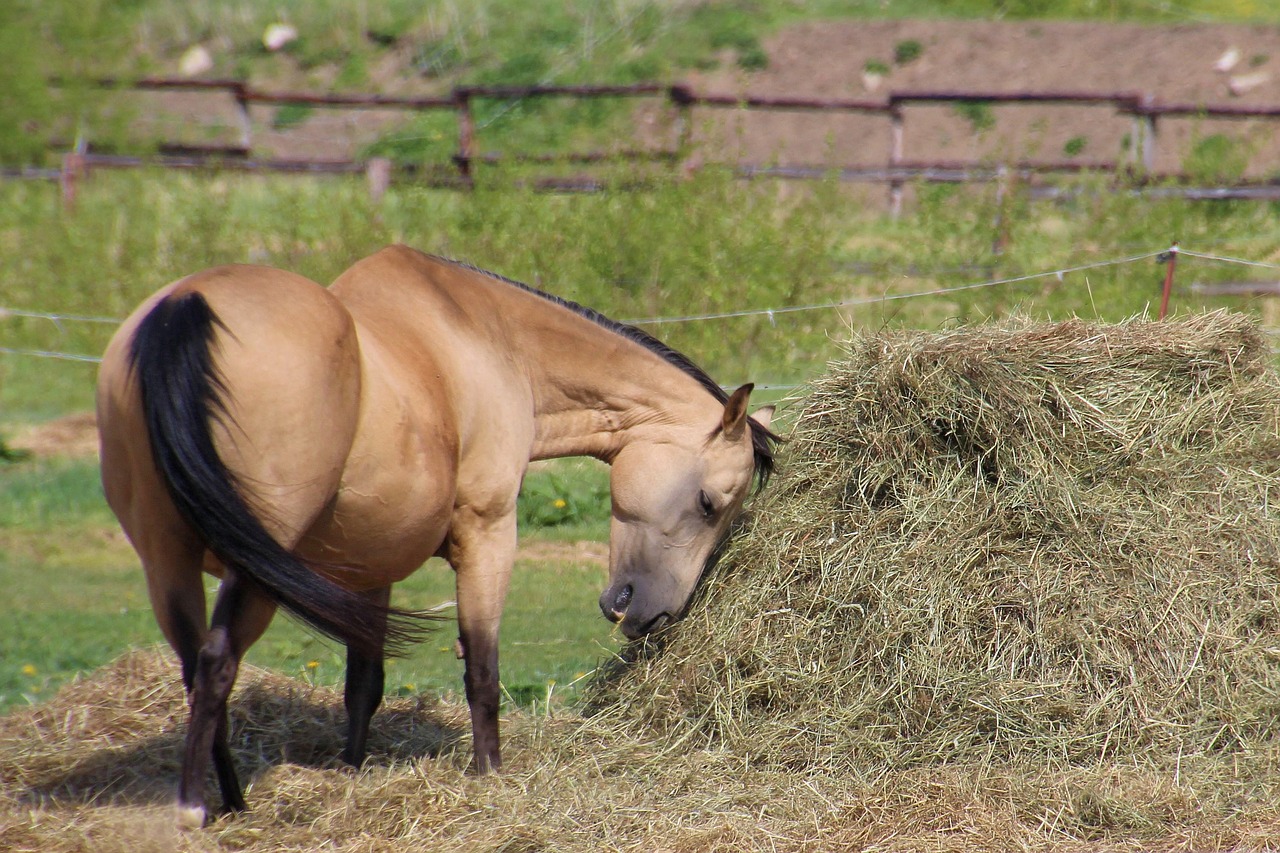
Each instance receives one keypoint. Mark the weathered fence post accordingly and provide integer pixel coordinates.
(377, 174)
(682, 99)
(1143, 154)
(73, 169)
(1006, 181)
(466, 133)
(240, 92)
(896, 132)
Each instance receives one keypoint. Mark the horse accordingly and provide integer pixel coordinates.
(313, 446)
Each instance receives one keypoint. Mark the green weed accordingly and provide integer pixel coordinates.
(907, 51)
(569, 500)
(977, 113)
(1217, 159)
(290, 115)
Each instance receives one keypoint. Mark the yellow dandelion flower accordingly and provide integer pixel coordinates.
(560, 503)
(313, 664)
(29, 669)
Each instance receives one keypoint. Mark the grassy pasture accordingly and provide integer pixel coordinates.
(75, 595)
(680, 249)
(77, 598)
(706, 246)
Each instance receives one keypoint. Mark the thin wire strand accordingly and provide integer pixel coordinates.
(40, 353)
(56, 319)
(870, 300)
(1225, 260)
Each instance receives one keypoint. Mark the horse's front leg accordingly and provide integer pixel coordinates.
(482, 551)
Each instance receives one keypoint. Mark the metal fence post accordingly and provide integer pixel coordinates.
(1171, 257)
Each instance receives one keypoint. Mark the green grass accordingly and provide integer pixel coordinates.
(706, 246)
(76, 597)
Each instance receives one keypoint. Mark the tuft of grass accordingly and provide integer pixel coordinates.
(568, 499)
(290, 115)
(1217, 159)
(977, 113)
(907, 51)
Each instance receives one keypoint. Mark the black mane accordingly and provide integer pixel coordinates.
(762, 439)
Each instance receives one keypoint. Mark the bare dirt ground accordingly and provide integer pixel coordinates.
(1171, 63)
(72, 435)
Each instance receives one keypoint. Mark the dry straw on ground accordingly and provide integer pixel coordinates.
(1014, 588)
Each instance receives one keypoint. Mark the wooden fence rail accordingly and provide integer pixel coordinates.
(1144, 110)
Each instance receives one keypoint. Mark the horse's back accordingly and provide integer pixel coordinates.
(443, 330)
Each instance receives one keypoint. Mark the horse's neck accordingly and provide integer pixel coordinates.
(613, 407)
(595, 390)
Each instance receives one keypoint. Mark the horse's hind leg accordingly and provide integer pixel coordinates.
(240, 615)
(366, 681)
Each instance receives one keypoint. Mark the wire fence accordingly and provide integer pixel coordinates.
(60, 320)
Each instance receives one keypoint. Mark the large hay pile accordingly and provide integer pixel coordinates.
(1052, 542)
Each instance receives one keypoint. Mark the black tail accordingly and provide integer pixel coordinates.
(182, 392)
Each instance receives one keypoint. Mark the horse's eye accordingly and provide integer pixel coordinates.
(705, 504)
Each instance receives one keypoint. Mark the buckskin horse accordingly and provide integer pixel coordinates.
(312, 446)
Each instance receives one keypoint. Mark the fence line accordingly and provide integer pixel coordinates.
(56, 319)
(891, 297)
(1060, 273)
(63, 356)
(1189, 254)
(1144, 109)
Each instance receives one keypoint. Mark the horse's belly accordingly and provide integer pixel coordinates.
(385, 529)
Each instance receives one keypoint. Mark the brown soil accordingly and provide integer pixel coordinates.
(1172, 63)
(72, 435)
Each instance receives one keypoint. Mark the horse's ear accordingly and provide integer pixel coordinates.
(763, 416)
(735, 412)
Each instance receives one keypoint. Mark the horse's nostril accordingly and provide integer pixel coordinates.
(615, 609)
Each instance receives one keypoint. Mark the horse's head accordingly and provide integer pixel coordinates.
(673, 502)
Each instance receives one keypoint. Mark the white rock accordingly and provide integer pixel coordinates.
(1227, 61)
(196, 60)
(1246, 82)
(277, 36)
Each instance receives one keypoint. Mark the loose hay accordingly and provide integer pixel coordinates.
(1044, 542)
